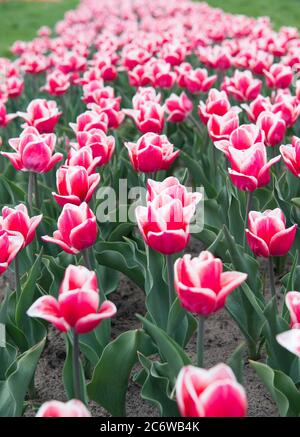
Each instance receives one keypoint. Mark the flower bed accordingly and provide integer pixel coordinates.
(150, 205)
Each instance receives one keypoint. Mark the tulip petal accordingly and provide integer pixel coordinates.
(257, 245)
(47, 308)
(89, 322)
(282, 242)
(290, 340)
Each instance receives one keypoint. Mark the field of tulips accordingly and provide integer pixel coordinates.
(150, 165)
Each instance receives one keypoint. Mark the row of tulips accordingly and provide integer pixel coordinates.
(140, 92)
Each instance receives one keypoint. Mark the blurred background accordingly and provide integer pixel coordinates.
(21, 19)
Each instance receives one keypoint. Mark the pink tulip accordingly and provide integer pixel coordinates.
(241, 138)
(221, 126)
(72, 408)
(34, 63)
(215, 57)
(57, 83)
(5, 118)
(273, 126)
(217, 103)
(290, 340)
(101, 145)
(287, 106)
(197, 81)
(77, 305)
(90, 120)
(267, 234)
(41, 114)
(178, 107)
(201, 285)
(77, 229)
(256, 107)
(152, 153)
(10, 244)
(164, 222)
(242, 86)
(279, 76)
(149, 118)
(210, 393)
(292, 300)
(14, 86)
(33, 151)
(291, 156)
(143, 95)
(250, 168)
(84, 158)
(75, 185)
(110, 107)
(17, 220)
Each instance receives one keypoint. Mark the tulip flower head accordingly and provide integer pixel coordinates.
(10, 244)
(33, 151)
(77, 228)
(267, 234)
(17, 220)
(72, 408)
(291, 156)
(75, 185)
(164, 222)
(78, 304)
(201, 284)
(41, 114)
(210, 393)
(151, 153)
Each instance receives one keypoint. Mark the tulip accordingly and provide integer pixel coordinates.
(5, 118)
(291, 156)
(242, 138)
(17, 220)
(72, 408)
(258, 105)
(143, 95)
(41, 114)
(84, 158)
(273, 126)
(90, 120)
(101, 145)
(77, 229)
(75, 185)
(151, 153)
(162, 74)
(279, 76)
(57, 83)
(292, 301)
(149, 118)
(34, 63)
(178, 107)
(250, 168)
(164, 222)
(288, 108)
(10, 244)
(14, 86)
(220, 127)
(215, 57)
(182, 71)
(290, 340)
(267, 234)
(242, 86)
(201, 285)
(77, 306)
(217, 103)
(210, 393)
(33, 151)
(110, 107)
(172, 188)
(197, 81)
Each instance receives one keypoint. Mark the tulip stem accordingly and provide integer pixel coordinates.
(248, 207)
(76, 368)
(200, 341)
(86, 258)
(170, 269)
(272, 276)
(36, 192)
(30, 190)
(17, 277)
